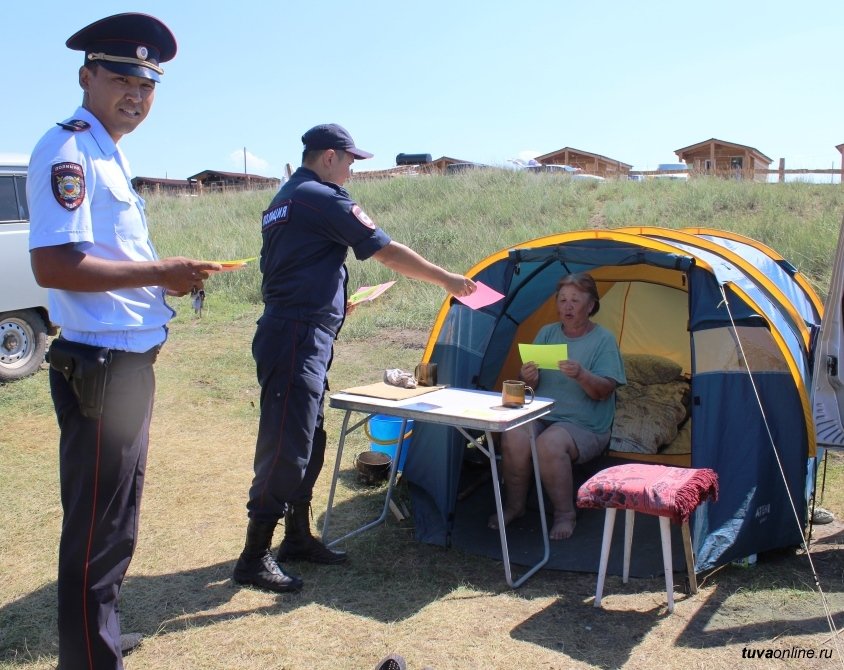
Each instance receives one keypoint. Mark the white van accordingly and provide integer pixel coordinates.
(24, 321)
(828, 377)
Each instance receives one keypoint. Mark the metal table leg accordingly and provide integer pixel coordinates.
(489, 451)
(391, 481)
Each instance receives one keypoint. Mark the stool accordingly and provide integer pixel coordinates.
(672, 494)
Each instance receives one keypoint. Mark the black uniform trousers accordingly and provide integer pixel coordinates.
(292, 361)
(102, 464)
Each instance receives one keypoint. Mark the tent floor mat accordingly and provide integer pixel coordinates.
(580, 553)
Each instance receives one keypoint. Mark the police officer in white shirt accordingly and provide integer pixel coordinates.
(90, 246)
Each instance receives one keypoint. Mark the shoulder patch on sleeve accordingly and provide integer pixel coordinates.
(74, 124)
(68, 185)
(274, 216)
(362, 216)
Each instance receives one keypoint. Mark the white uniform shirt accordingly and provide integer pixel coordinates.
(109, 223)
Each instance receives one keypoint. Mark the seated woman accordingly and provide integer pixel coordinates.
(579, 425)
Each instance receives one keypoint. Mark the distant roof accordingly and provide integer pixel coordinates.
(584, 153)
(449, 159)
(159, 180)
(692, 147)
(232, 175)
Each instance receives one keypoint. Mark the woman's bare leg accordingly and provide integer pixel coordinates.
(516, 470)
(557, 452)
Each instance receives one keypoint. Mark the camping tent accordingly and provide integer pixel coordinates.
(732, 315)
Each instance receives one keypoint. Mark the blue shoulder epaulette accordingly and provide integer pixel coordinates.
(75, 125)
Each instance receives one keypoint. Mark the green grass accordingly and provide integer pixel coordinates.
(456, 221)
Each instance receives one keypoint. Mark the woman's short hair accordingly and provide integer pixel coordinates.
(584, 282)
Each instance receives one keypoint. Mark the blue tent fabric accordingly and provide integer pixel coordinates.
(781, 273)
(753, 513)
(731, 292)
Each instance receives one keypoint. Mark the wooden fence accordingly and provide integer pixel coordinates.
(745, 173)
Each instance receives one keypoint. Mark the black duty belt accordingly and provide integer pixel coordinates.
(124, 360)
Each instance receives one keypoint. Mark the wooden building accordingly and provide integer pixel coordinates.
(436, 166)
(588, 162)
(215, 180)
(725, 159)
(387, 173)
(156, 185)
(440, 165)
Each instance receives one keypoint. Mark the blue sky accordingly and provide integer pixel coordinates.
(482, 81)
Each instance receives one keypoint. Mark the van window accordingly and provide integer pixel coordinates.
(13, 199)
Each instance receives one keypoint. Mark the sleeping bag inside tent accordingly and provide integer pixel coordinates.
(716, 331)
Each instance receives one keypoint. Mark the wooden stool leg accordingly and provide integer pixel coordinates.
(629, 520)
(667, 563)
(690, 557)
(609, 522)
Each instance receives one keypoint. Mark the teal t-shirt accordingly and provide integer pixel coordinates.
(596, 351)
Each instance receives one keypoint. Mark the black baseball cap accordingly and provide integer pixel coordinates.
(332, 136)
(132, 44)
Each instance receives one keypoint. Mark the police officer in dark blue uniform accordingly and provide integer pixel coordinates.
(90, 246)
(307, 231)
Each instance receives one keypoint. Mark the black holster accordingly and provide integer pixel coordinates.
(85, 368)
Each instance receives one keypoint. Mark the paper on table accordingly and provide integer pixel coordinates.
(367, 293)
(228, 266)
(481, 413)
(544, 355)
(483, 296)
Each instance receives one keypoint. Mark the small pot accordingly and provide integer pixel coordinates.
(373, 467)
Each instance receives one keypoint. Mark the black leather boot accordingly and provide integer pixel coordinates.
(256, 566)
(299, 544)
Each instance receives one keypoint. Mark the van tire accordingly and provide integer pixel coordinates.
(23, 342)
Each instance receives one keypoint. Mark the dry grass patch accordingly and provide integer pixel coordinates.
(438, 607)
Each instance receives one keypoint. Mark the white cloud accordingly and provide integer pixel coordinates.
(254, 164)
(527, 154)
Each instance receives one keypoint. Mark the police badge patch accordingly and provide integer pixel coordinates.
(68, 185)
(361, 216)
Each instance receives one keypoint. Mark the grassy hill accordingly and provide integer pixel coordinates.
(456, 221)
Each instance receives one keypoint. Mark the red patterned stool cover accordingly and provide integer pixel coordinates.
(672, 494)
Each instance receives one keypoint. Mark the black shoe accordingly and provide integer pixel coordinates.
(266, 574)
(308, 548)
(129, 642)
(299, 544)
(391, 662)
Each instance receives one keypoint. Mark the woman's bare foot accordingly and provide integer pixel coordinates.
(563, 525)
(509, 515)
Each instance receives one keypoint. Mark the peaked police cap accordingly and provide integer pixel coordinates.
(132, 44)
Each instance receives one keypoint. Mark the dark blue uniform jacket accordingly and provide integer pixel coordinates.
(307, 231)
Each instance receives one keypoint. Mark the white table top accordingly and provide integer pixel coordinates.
(466, 408)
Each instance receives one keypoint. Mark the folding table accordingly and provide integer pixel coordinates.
(463, 409)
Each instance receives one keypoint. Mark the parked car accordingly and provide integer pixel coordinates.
(520, 164)
(827, 400)
(564, 169)
(532, 165)
(454, 168)
(24, 320)
(582, 176)
(679, 171)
